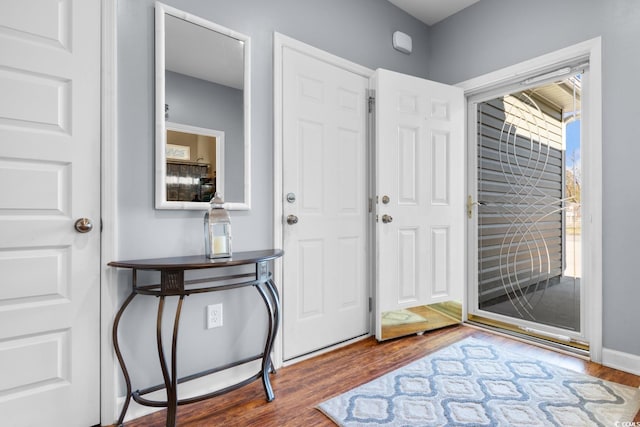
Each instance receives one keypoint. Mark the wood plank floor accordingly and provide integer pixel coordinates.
(300, 387)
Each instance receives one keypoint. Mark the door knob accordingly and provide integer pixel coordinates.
(386, 218)
(292, 219)
(83, 225)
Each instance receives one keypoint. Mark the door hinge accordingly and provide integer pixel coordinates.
(372, 103)
(370, 304)
(370, 205)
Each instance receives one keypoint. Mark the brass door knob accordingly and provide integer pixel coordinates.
(83, 225)
(386, 219)
(292, 219)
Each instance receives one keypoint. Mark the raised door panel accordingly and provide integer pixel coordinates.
(311, 279)
(51, 25)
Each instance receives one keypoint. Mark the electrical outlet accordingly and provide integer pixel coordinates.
(214, 316)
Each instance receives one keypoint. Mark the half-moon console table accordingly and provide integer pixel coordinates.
(173, 283)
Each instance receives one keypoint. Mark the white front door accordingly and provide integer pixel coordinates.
(50, 172)
(325, 286)
(420, 257)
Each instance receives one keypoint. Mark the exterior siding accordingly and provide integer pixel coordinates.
(520, 187)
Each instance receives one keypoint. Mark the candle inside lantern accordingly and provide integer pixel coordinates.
(220, 245)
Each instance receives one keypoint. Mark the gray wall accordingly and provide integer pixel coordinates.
(358, 30)
(489, 36)
(200, 103)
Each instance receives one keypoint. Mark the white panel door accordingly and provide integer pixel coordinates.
(420, 190)
(49, 170)
(325, 291)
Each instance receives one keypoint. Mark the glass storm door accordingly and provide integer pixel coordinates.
(528, 212)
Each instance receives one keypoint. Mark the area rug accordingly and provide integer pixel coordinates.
(473, 383)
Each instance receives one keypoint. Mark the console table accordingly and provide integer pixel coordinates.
(173, 283)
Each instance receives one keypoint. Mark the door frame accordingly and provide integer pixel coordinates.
(109, 369)
(281, 41)
(591, 159)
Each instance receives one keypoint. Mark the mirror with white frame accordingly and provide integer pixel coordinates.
(202, 112)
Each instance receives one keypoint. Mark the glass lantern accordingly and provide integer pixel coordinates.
(217, 230)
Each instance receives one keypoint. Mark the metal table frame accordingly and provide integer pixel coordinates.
(173, 283)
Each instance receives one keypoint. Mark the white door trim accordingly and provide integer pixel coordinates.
(591, 157)
(109, 369)
(280, 41)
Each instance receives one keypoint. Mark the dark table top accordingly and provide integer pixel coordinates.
(195, 262)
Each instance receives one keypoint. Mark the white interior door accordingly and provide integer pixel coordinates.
(325, 290)
(419, 181)
(49, 170)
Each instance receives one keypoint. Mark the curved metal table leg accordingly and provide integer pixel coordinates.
(123, 367)
(170, 378)
(271, 286)
(266, 356)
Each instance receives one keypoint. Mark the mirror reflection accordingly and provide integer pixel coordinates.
(201, 113)
(419, 319)
(194, 163)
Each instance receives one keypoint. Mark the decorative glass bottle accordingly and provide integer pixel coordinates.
(217, 230)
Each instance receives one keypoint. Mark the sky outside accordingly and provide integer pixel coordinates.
(573, 144)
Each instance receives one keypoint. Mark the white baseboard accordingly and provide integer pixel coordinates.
(623, 361)
(324, 350)
(200, 386)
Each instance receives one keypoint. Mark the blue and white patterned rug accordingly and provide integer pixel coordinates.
(472, 383)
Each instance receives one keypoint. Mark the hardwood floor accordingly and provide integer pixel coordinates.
(300, 387)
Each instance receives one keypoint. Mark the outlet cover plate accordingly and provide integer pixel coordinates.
(214, 316)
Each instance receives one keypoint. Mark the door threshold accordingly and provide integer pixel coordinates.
(574, 349)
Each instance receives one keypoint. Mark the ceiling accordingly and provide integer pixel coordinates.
(432, 11)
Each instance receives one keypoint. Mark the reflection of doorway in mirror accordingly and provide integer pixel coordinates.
(194, 163)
